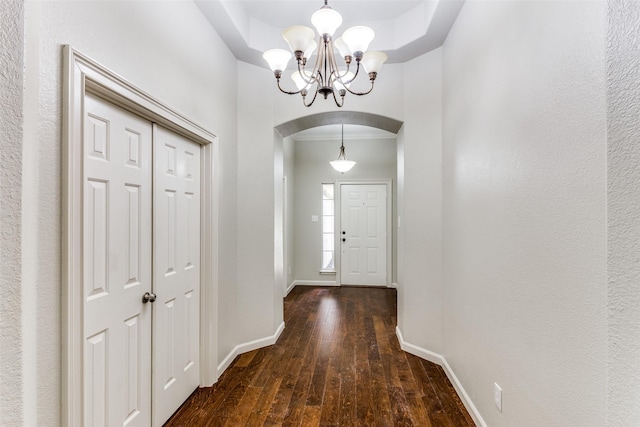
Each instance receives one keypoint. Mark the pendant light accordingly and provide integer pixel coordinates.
(342, 165)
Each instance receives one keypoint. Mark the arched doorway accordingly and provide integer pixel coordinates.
(284, 216)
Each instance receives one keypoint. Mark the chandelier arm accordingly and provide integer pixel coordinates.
(361, 93)
(311, 80)
(312, 101)
(286, 91)
(341, 76)
(336, 72)
(338, 104)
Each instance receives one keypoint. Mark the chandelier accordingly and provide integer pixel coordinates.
(325, 77)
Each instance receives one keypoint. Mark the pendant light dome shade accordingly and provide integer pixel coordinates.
(343, 165)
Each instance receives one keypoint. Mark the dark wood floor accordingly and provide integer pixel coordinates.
(337, 363)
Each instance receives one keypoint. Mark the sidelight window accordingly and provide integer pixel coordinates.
(328, 228)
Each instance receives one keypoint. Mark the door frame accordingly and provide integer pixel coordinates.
(338, 224)
(83, 75)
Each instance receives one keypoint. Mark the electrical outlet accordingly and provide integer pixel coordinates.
(497, 396)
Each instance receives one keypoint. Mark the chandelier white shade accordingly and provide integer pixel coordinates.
(277, 58)
(326, 20)
(358, 38)
(341, 164)
(325, 77)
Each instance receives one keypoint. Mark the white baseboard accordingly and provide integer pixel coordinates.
(314, 283)
(249, 346)
(422, 353)
(440, 360)
(290, 288)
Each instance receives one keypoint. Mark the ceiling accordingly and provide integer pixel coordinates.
(405, 29)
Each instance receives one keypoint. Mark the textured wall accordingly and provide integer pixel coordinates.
(525, 237)
(11, 142)
(623, 119)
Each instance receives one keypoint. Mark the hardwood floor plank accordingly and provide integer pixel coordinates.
(245, 406)
(337, 363)
(330, 413)
(261, 408)
(380, 396)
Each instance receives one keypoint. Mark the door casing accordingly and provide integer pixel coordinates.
(338, 223)
(83, 75)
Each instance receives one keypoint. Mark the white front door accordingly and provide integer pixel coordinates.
(363, 234)
(176, 259)
(116, 261)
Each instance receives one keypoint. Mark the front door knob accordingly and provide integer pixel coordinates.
(148, 297)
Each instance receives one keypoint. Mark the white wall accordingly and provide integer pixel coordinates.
(280, 278)
(13, 305)
(376, 159)
(623, 215)
(257, 149)
(170, 51)
(525, 238)
(290, 174)
(420, 283)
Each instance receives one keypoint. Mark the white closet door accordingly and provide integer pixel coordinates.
(363, 235)
(176, 271)
(116, 263)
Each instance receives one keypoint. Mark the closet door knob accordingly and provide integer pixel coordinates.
(148, 297)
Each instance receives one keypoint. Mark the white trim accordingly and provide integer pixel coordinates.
(338, 225)
(290, 288)
(314, 283)
(247, 347)
(82, 75)
(310, 283)
(209, 262)
(439, 359)
(393, 286)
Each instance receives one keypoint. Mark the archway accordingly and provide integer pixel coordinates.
(283, 245)
(338, 117)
